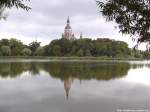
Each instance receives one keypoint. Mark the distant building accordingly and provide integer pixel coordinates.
(68, 32)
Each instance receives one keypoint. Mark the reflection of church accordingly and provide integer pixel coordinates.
(68, 32)
(67, 86)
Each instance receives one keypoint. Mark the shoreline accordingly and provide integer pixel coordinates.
(69, 58)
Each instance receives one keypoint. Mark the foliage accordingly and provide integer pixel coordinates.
(6, 51)
(39, 51)
(80, 53)
(55, 50)
(132, 16)
(60, 47)
(2, 14)
(146, 55)
(14, 3)
(88, 47)
(4, 42)
(33, 46)
(78, 48)
(26, 52)
(16, 47)
(137, 54)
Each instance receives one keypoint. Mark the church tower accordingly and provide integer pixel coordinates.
(68, 31)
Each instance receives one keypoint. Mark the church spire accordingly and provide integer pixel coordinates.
(68, 20)
(68, 31)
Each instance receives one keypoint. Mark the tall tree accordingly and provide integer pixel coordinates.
(2, 14)
(12, 3)
(26, 52)
(16, 47)
(33, 46)
(39, 51)
(132, 16)
(4, 42)
(5, 50)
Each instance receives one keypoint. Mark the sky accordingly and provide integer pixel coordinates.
(47, 19)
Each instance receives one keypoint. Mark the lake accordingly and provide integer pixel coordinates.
(48, 86)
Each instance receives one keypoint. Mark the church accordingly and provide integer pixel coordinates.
(68, 32)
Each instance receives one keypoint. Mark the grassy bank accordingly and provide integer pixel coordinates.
(68, 58)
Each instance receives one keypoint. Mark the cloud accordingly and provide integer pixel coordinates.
(47, 19)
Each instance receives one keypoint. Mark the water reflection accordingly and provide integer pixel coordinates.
(64, 70)
(68, 71)
(139, 76)
(67, 86)
(106, 86)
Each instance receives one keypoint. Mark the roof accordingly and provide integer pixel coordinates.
(68, 26)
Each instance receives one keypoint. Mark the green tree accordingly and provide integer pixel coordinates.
(4, 42)
(33, 46)
(26, 52)
(137, 53)
(88, 47)
(87, 52)
(1, 53)
(47, 50)
(132, 16)
(16, 47)
(65, 46)
(80, 53)
(56, 50)
(146, 55)
(74, 50)
(39, 51)
(5, 50)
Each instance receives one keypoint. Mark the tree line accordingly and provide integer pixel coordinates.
(66, 48)
(88, 47)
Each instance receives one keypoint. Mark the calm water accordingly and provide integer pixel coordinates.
(30, 86)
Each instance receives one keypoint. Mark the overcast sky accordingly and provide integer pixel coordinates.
(47, 19)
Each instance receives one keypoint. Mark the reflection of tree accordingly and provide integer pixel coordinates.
(86, 71)
(64, 70)
(11, 70)
(34, 68)
(5, 69)
(16, 69)
(135, 66)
